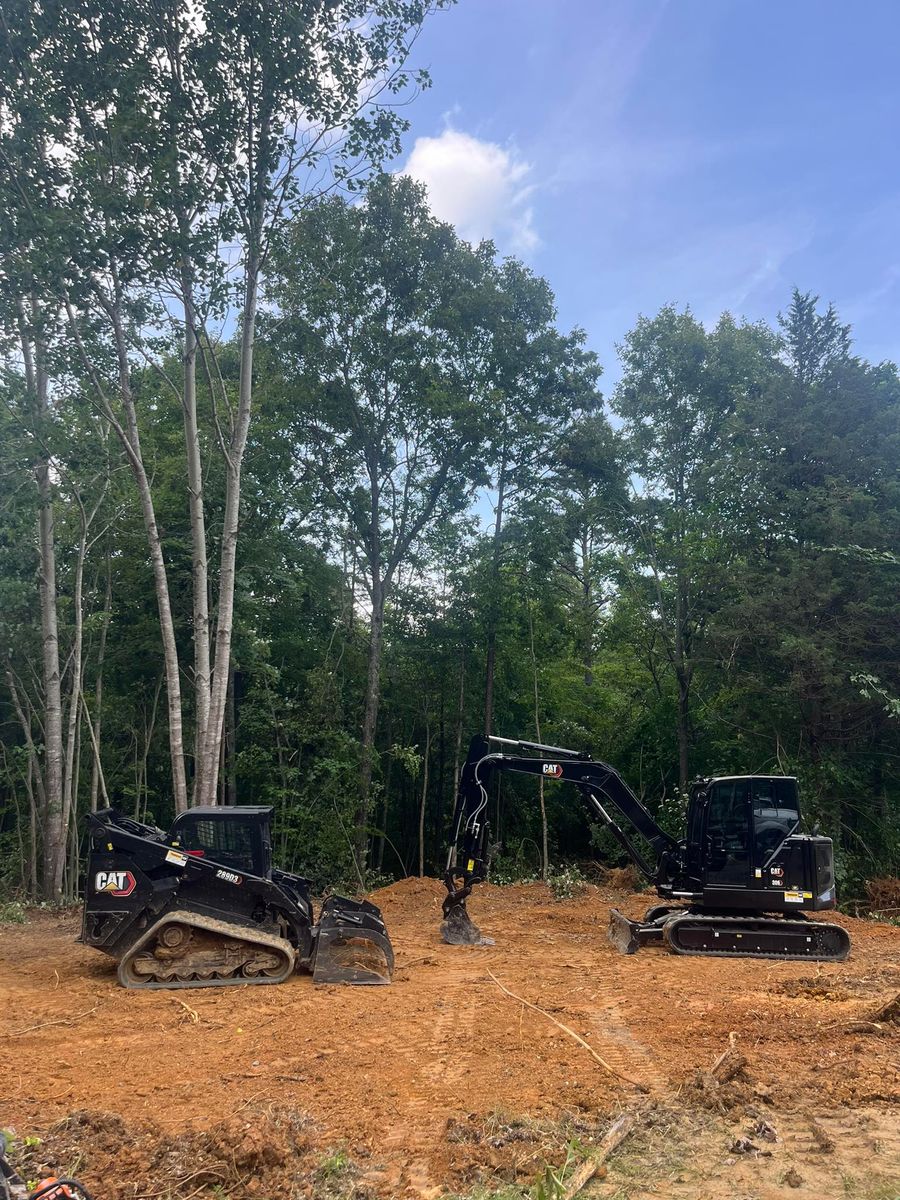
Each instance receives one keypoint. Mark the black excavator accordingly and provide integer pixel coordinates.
(738, 884)
(202, 906)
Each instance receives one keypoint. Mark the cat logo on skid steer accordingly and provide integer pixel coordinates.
(115, 883)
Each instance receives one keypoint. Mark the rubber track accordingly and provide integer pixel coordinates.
(785, 957)
(210, 925)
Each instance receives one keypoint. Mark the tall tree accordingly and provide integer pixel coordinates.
(387, 395)
(680, 395)
(541, 380)
(205, 128)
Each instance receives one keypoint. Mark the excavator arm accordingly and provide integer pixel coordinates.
(605, 792)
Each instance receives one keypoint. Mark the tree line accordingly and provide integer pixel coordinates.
(300, 490)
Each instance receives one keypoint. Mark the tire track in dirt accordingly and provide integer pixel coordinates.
(440, 1055)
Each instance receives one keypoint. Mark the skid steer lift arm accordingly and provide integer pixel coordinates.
(601, 786)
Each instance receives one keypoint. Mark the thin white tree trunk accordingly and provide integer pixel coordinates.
(537, 731)
(199, 561)
(212, 742)
(54, 839)
(96, 765)
(131, 443)
(69, 775)
(424, 797)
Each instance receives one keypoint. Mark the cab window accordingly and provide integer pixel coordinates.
(776, 814)
(227, 842)
(728, 832)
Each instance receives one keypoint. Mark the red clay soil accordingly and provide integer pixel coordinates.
(398, 1074)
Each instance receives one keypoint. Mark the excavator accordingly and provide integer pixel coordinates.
(740, 883)
(201, 905)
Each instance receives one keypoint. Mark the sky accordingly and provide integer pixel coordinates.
(710, 153)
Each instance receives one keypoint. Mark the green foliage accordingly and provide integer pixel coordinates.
(335, 1164)
(566, 882)
(671, 813)
(552, 1184)
(12, 912)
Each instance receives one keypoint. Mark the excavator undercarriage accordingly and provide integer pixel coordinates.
(692, 931)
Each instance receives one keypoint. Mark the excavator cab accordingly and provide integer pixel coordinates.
(744, 848)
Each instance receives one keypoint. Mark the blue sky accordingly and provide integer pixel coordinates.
(708, 152)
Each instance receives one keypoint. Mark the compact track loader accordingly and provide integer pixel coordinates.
(738, 884)
(202, 906)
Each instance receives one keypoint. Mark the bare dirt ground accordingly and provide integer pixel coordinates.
(442, 1084)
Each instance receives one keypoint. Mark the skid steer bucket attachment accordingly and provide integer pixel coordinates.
(352, 944)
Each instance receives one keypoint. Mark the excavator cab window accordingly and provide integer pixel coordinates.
(776, 814)
(728, 833)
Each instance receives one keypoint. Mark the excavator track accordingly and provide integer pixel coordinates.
(188, 950)
(756, 937)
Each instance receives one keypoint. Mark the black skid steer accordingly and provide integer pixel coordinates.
(202, 906)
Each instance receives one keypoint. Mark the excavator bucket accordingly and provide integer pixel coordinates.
(352, 944)
(458, 928)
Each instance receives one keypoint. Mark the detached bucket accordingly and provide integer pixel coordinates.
(352, 944)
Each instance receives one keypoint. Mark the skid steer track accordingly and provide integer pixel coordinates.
(188, 950)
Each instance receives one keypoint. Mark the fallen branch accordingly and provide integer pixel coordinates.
(47, 1024)
(572, 1034)
(889, 1011)
(729, 1063)
(181, 1182)
(194, 1015)
(612, 1139)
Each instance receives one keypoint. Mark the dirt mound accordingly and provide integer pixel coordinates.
(884, 894)
(409, 894)
(625, 879)
(270, 1153)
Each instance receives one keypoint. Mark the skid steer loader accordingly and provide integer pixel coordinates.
(202, 906)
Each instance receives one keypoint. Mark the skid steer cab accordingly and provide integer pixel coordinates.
(201, 905)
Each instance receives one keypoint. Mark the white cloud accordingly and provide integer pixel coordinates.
(478, 186)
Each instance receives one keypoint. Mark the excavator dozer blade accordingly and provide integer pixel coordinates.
(458, 928)
(628, 936)
(622, 933)
(352, 944)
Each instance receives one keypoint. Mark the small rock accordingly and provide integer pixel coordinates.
(792, 1178)
(743, 1146)
(766, 1131)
